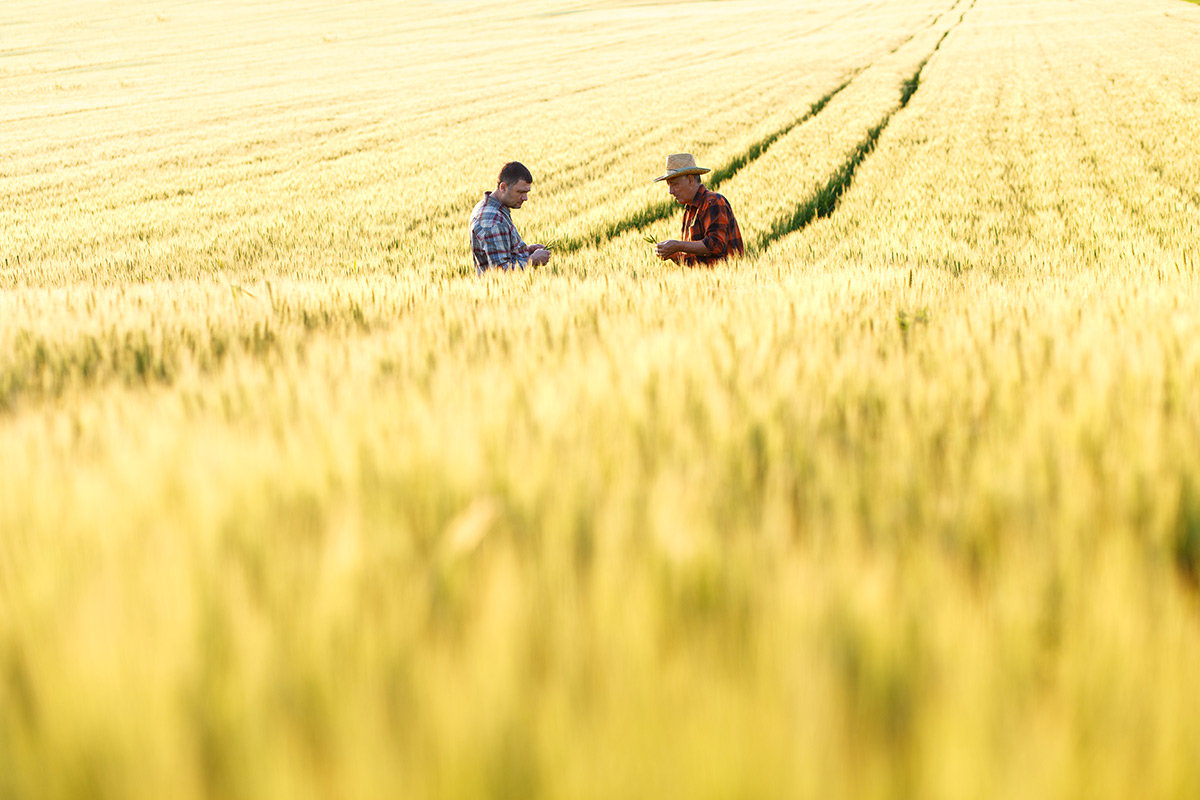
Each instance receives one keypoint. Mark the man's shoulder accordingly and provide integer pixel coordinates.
(487, 214)
(712, 197)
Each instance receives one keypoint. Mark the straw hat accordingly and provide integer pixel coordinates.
(681, 164)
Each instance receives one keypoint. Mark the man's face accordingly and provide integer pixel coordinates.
(513, 195)
(683, 187)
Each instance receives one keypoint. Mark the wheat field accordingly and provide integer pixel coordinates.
(903, 504)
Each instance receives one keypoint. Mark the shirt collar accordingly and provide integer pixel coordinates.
(491, 201)
(698, 199)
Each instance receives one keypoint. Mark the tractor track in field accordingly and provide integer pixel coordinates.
(653, 212)
(824, 201)
(821, 203)
(568, 171)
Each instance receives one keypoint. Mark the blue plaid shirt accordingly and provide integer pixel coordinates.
(494, 239)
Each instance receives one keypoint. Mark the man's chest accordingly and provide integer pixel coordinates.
(693, 223)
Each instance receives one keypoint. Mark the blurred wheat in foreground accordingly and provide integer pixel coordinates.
(906, 503)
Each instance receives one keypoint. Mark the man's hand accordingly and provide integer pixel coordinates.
(667, 249)
(674, 249)
(532, 248)
(539, 257)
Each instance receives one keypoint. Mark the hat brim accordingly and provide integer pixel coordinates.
(688, 171)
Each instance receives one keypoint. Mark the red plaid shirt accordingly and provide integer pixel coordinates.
(709, 219)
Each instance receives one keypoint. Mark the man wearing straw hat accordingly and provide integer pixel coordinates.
(710, 232)
(495, 242)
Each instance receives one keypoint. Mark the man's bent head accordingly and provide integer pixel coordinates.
(682, 177)
(683, 187)
(513, 184)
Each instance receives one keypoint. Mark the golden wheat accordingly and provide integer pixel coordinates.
(904, 502)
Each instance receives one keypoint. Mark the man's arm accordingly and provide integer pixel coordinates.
(672, 247)
(718, 222)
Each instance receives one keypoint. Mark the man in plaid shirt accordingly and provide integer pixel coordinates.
(495, 242)
(710, 231)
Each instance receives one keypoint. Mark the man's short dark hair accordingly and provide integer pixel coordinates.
(514, 171)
